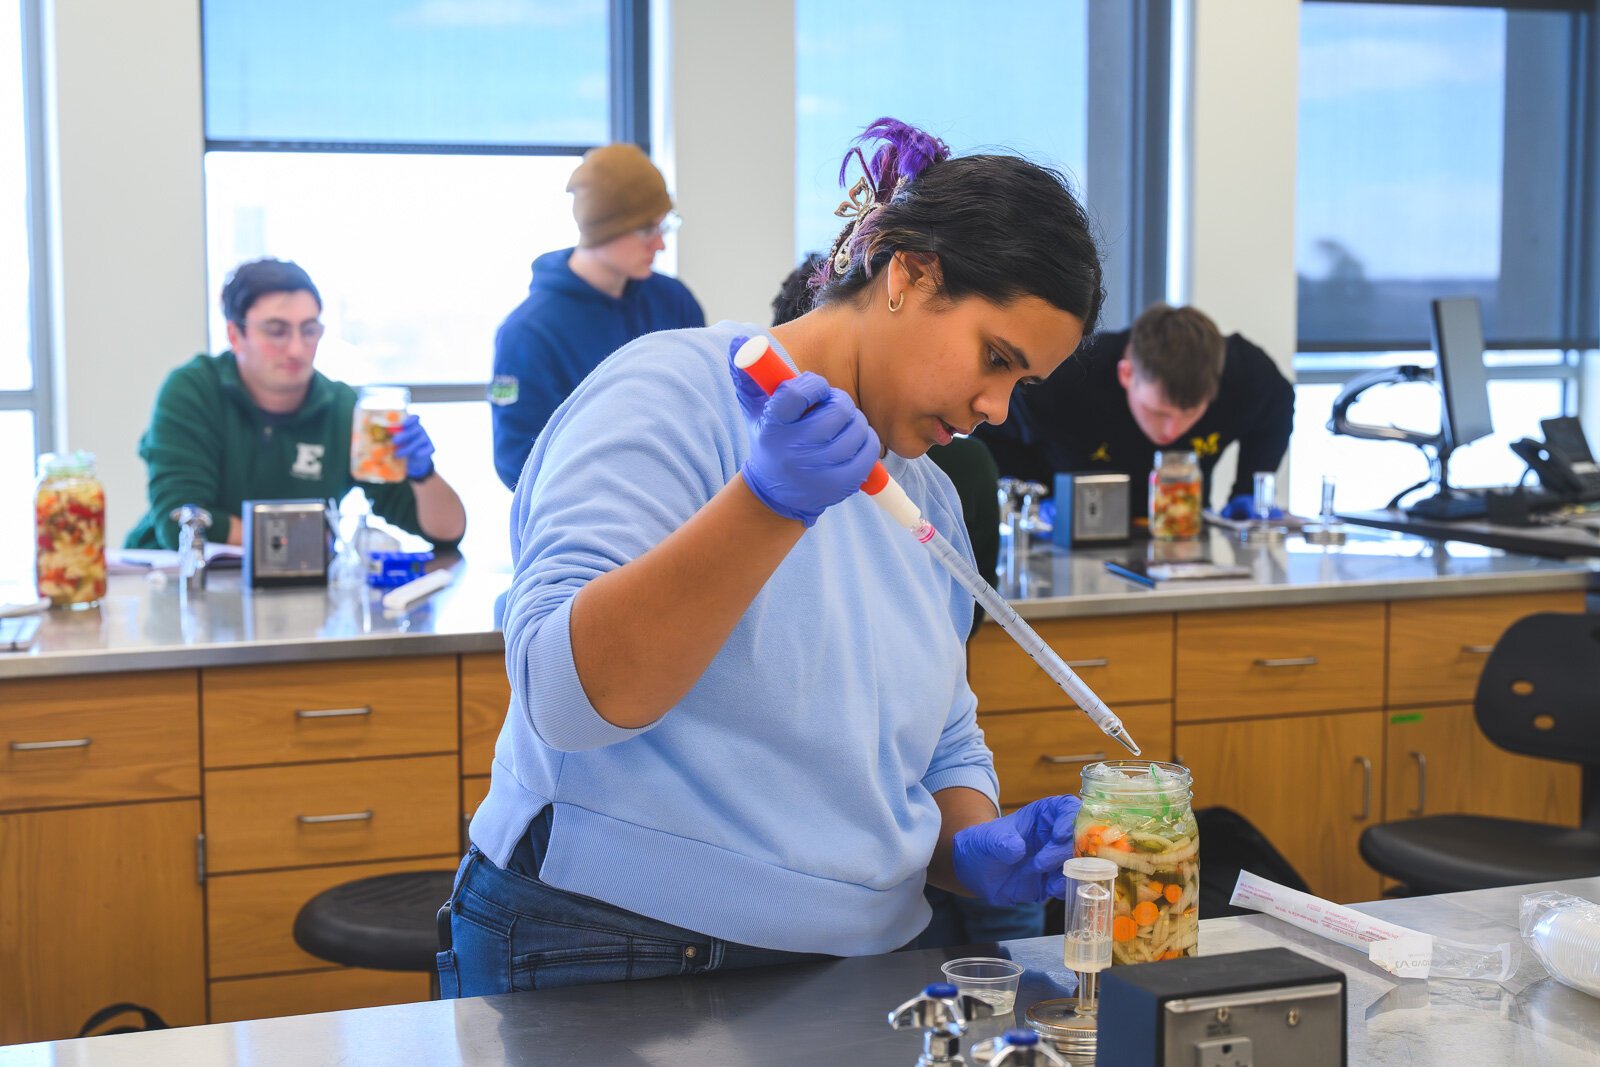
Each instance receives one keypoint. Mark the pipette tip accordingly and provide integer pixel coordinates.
(1121, 734)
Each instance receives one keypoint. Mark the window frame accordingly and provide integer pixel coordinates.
(1580, 289)
(1130, 150)
(628, 90)
(39, 398)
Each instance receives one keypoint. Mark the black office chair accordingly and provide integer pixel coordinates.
(1539, 695)
(388, 923)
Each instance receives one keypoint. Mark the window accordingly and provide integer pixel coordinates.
(24, 407)
(413, 156)
(1443, 151)
(1068, 83)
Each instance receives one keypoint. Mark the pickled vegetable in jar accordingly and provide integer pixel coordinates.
(1175, 496)
(1139, 816)
(69, 522)
(380, 411)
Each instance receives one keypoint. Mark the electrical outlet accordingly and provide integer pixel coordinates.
(1224, 1052)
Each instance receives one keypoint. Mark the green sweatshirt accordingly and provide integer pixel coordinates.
(209, 444)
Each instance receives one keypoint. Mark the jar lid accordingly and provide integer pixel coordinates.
(76, 462)
(1127, 777)
(1058, 1022)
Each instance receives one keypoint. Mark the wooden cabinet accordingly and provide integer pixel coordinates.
(1124, 659)
(99, 905)
(317, 776)
(323, 711)
(237, 999)
(269, 817)
(250, 917)
(1280, 661)
(1310, 783)
(485, 695)
(1437, 647)
(1440, 761)
(1043, 753)
(98, 739)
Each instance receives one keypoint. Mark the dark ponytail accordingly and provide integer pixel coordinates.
(1002, 227)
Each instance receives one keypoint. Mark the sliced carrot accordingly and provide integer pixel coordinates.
(1121, 845)
(1144, 914)
(1170, 954)
(1173, 894)
(1123, 928)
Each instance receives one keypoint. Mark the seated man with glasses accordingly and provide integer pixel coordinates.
(259, 423)
(586, 302)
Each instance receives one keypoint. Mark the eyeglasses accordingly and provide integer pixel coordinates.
(665, 228)
(278, 332)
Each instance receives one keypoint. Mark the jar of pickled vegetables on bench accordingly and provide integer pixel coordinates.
(1139, 816)
(1175, 496)
(69, 525)
(380, 411)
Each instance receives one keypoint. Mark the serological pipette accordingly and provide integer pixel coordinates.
(757, 358)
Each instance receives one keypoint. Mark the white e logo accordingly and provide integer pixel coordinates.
(307, 460)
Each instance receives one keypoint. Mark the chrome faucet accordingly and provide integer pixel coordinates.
(193, 521)
(942, 1014)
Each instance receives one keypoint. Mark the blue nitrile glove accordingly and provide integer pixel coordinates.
(1243, 507)
(1047, 512)
(412, 444)
(1017, 858)
(811, 447)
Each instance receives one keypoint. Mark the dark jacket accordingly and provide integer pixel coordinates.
(209, 444)
(1079, 420)
(557, 336)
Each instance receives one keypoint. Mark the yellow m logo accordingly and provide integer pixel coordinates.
(1205, 446)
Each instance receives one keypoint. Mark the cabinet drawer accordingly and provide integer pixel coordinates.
(89, 740)
(1437, 648)
(1123, 659)
(325, 813)
(250, 917)
(322, 711)
(485, 695)
(237, 999)
(1247, 664)
(1042, 753)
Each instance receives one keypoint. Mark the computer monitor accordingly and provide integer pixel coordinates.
(1458, 342)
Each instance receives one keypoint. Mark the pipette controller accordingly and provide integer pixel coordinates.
(757, 358)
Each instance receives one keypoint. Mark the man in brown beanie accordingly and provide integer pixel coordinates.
(586, 302)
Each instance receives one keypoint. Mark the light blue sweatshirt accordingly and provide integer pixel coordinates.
(787, 800)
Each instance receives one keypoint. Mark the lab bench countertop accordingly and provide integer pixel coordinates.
(836, 1012)
(145, 625)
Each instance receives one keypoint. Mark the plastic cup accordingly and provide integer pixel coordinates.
(993, 981)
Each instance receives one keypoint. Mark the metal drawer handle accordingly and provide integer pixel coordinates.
(349, 816)
(1080, 664)
(334, 713)
(1422, 782)
(1085, 757)
(1294, 661)
(40, 746)
(1477, 650)
(1366, 788)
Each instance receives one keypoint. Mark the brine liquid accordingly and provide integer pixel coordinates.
(1000, 1000)
(1086, 953)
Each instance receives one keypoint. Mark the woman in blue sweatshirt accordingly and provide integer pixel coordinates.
(740, 729)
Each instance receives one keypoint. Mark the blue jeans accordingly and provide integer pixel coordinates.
(510, 931)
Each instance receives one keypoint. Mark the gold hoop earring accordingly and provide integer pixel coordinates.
(897, 301)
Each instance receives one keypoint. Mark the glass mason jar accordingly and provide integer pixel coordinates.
(69, 526)
(380, 411)
(1175, 496)
(1139, 815)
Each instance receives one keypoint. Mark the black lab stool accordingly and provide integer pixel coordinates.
(386, 923)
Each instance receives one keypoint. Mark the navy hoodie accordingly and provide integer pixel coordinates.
(557, 336)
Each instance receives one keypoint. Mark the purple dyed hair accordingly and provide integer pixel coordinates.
(905, 153)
